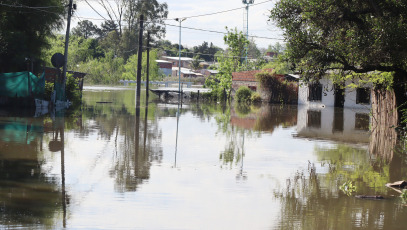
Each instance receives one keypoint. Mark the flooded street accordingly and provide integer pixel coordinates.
(195, 166)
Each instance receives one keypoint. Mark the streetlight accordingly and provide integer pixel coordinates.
(247, 2)
(179, 53)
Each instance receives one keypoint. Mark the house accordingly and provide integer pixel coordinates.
(165, 67)
(185, 72)
(209, 72)
(185, 61)
(248, 78)
(325, 93)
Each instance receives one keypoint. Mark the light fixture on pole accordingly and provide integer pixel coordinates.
(179, 54)
(246, 22)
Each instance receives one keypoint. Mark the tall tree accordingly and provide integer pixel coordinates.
(24, 27)
(347, 37)
(85, 29)
(129, 11)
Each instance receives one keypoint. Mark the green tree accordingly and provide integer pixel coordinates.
(24, 28)
(347, 37)
(229, 62)
(125, 14)
(130, 72)
(85, 29)
(195, 63)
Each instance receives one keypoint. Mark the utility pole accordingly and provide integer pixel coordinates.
(139, 61)
(180, 20)
(246, 22)
(148, 63)
(68, 28)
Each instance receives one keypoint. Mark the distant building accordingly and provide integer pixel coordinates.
(185, 72)
(165, 67)
(185, 61)
(209, 72)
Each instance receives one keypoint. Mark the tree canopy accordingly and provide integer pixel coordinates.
(348, 36)
(24, 28)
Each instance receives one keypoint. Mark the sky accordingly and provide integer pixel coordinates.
(265, 33)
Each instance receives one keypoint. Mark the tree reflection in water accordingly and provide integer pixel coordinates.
(135, 133)
(313, 200)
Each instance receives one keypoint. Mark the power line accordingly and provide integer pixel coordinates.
(221, 12)
(95, 10)
(29, 7)
(198, 29)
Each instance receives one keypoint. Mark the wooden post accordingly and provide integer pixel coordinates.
(148, 63)
(139, 61)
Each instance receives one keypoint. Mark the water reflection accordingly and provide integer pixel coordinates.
(140, 144)
(287, 163)
(336, 124)
(28, 196)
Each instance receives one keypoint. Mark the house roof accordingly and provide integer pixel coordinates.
(177, 58)
(248, 75)
(163, 61)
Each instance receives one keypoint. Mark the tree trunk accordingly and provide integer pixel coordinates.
(385, 118)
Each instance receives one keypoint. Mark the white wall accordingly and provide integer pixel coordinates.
(328, 96)
(350, 99)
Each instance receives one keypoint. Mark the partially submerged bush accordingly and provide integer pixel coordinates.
(243, 94)
(255, 98)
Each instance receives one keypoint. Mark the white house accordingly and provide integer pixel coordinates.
(326, 94)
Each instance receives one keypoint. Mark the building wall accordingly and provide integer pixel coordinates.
(328, 96)
(166, 71)
(350, 100)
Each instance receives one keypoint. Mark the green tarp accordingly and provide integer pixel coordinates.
(21, 84)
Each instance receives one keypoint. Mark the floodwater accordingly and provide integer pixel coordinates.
(107, 165)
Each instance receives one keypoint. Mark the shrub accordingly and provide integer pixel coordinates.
(243, 94)
(72, 89)
(49, 88)
(255, 98)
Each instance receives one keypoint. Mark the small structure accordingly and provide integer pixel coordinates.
(248, 78)
(209, 72)
(185, 73)
(165, 67)
(325, 93)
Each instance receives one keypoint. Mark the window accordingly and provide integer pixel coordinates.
(362, 121)
(315, 92)
(314, 119)
(362, 96)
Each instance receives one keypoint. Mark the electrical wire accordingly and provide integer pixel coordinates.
(221, 12)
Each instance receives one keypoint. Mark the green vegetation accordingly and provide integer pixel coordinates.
(404, 195)
(243, 94)
(281, 91)
(348, 188)
(23, 33)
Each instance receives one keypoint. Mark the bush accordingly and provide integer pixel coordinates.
(255, 98)
(243, 94)
(49, 88)
(73, 93)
